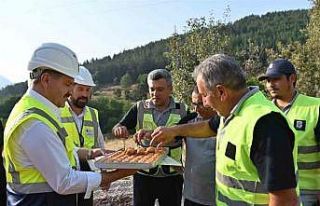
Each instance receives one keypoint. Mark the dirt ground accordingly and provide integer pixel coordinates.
(119, 193)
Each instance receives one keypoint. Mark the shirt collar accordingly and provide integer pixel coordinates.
(287, 108)
(44, 100)
(150, 104)
(236, 109)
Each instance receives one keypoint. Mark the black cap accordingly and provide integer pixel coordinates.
(278, 68)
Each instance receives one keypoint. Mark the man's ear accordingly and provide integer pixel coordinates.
(222, 92)
(45, 79)
(293, 78)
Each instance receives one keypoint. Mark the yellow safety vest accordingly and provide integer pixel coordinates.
(237, 179)
(145, 121)
(28, 180)
(88, 138)
(303, 117)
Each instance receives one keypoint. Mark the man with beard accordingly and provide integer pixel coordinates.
(303, 114)
(163, 183)
(82, 124)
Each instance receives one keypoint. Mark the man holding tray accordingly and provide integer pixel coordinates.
(38, 170)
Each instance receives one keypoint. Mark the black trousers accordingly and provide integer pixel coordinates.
(146, 189)
(3, 183)
(40, 199)
(191, 203)
(84, 202)
(84, 166)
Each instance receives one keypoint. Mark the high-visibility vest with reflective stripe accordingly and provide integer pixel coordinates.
(303, 117)
(145, 121)
(89, 130)
(23, 179)
(237, 179)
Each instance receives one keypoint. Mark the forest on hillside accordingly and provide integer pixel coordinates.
(254, 40)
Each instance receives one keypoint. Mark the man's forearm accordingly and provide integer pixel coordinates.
(286, 197)
(197, 129)
(109, 177)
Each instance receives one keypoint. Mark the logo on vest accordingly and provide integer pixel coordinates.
(300, 124)
(89, 132)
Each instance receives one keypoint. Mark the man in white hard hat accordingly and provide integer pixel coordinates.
(38, 170)
(82, 124)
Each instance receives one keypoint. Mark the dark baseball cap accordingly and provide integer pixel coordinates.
(278, 68)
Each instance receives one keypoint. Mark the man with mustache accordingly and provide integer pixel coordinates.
(82, 124)
(38, 168)
(200, 157)
(163, 183)
(303, 114)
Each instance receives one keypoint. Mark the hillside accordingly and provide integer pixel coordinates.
(4, 82)
(266, 31)
(113, 101)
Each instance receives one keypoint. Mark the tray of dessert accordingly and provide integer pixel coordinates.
(132, 158)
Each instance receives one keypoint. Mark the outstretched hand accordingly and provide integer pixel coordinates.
(109, 177)
(161, 136)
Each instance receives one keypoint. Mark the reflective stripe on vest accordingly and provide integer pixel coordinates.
(303, 117)
(16, 184)
(230, 202)
(250, 186)
(237, 179)
(89, 130)
(61, 132)
(23, 179)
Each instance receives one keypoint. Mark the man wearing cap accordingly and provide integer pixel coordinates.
(303, 114)
(82, 124)
(38, 169)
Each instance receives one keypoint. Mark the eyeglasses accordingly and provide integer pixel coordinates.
(197, 104)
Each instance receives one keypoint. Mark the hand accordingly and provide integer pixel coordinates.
(162, 136)
(142, 135)
(108, 177)
(97, 152)
(120, 131)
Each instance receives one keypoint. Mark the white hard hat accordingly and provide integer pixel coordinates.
(56, 57)
(84, 77)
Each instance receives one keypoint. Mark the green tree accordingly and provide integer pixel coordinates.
(202, 38)
(110, 111)
(307, 57)
(126, 80)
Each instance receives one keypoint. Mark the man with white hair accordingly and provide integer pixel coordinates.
(255, 145)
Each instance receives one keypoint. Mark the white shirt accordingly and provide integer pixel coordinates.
(37, 146)
(79, 119)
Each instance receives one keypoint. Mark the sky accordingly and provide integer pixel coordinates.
(98, 28)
